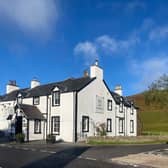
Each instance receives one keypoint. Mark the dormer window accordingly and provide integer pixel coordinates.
(36, 100)
(19, 99)
(56, 97)
(121, 105)
(132, 108)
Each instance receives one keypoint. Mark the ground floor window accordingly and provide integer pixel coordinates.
(55, 125)
(132, 126)
(109, 125)
(121, 125)
(37, 126)
(85, 124)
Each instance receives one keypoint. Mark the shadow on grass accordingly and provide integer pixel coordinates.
(59, 159)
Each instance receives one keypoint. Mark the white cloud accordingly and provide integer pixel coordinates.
(149, 70)
(159, 33)
(109, 44)
(88, 50)
(30, 16)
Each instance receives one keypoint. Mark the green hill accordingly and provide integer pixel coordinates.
(153, 112)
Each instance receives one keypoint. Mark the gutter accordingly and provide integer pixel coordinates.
(76, 115)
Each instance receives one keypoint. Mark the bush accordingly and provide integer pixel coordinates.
(20, 137)
(101, 129)
(50, 138)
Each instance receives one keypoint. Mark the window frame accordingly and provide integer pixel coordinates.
(121, 125)
(111, 106)
(35, 97)
(109, 121)
(132, 110)
(55, 122)
(131, 126)
(87, 123)
(54, 103)
(19, 99)
(37, 131)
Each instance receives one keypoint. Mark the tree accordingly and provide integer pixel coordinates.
(158, 92)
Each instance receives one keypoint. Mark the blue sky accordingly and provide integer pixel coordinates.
(53, 40)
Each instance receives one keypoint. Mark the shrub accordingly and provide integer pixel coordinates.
(50, 138)
(101, 129)
(20, 137)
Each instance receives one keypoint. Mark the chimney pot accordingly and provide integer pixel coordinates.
(34, 83)
(86, 74)
(118, 90)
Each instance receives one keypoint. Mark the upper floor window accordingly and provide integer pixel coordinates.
(56, 98)
(37, 126)
(132, 110)
(36, 100)
(121, 107)
(85, 124)
(19, 99)
(109, 105)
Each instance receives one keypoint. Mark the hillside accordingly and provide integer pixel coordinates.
(153, 116)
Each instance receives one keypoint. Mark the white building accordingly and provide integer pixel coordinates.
(71, 110)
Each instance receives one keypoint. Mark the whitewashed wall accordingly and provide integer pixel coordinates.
(34, 136)
(87, 107)
(66, 113)
(6, 108)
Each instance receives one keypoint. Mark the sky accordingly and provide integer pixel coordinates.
(53, 40)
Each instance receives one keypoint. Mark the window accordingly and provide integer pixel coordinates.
(56, 98)
(37, 126)
(132, 110)
(109, 105)
(85, 124)
(19, 99)
(36, 100)
(99, 104)
(109, 125)
(131, 126)
(121, 125)
(121, 107)
(55, 125)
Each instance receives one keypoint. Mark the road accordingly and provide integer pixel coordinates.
(67, 155)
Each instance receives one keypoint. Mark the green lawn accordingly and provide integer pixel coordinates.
(156, 122)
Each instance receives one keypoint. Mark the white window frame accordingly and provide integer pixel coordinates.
(109, 105)
(36, 100)
(109, 125)
(19, 99)
(37, 126)
(121, 125)
(131, 126)
(85, 124)
(56, 98)
(55, 120)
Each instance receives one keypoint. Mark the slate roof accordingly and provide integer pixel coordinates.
(69, 85)
(118, 99)
(31, 112)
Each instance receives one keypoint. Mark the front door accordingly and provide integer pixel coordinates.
(18, 126)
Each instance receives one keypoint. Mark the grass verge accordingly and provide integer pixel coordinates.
(128, 140)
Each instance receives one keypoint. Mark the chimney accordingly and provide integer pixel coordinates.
(34, 83)
(11, 86)
(118, 90)
(85, 74)
(96, 71)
